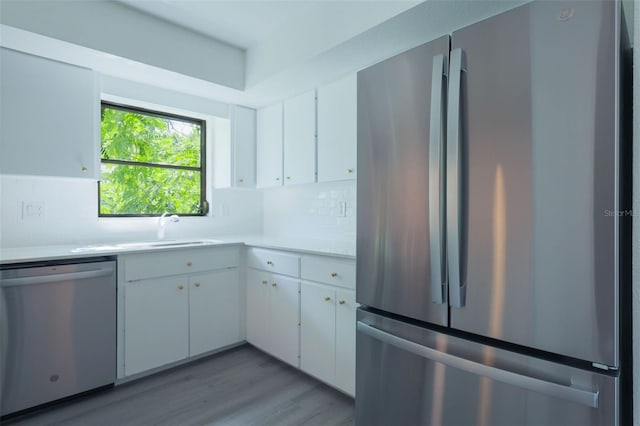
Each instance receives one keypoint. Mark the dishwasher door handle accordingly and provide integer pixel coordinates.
(43, 279)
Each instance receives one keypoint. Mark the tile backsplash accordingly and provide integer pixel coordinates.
(320, 211)
(69, 215)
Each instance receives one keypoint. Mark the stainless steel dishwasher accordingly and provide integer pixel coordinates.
(58, 335)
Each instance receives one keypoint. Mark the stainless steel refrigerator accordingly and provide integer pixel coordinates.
(492, 249)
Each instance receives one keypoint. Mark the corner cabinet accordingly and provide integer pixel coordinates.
(273, 303)
(337, 129)
(177, 304)
(328, 321)
(50, 115)
(300, 139)
(269, 146)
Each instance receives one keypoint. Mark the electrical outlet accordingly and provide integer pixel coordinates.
(342, 208)
(33, 210)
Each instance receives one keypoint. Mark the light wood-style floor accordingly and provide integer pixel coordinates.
(242, 386)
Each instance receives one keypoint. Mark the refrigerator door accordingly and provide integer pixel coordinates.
(408, 375)
(400, 241)
(533, 168)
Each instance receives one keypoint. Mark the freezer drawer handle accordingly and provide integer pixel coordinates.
(568, 393)
(102, 272)
(436, 182)
(454, 178)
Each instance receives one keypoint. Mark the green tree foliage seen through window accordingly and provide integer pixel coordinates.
(151, 163)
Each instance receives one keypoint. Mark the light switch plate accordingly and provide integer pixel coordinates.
(33, 210)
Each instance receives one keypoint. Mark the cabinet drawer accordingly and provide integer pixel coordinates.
(185, 261)
(328, 270)
(273, 261)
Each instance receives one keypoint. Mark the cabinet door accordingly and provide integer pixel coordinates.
(244, 147)
(318, 330)
(214, 311)
(346, 341)
(284, 317)
(337, 123)
(300, 139)
(269, 146)
(258, 308)
(50, 117)
(156, 323)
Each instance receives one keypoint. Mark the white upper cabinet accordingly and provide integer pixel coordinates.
(49, 117)
(337, 130)
(269, 146)
(300, 139)
(244, 147)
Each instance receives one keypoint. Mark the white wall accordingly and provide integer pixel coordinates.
(119, 30)
(311, 212)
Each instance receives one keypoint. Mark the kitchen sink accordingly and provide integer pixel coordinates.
(142, 245)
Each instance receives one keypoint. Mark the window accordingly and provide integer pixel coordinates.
(151, 163)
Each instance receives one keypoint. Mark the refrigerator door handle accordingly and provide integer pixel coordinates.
(568, 393)
(454, 178)
(437, 182)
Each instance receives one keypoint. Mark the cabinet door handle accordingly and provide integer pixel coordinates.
(264, 281)
(334, 274)
(180, 287)
(327, 298)
(241, 180)
(84, 170)
(349, 170)
(288, 177)
(189, 264)
(341, 302)
(197, 284)
(274, 285)
(277, 178)
(269, 262)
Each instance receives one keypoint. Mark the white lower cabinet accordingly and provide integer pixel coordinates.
(273, 314)
(346, 341)
(328, 321)
(157, 320)
(168, 319)
(328, 335)
(214, 311)
(318, 330)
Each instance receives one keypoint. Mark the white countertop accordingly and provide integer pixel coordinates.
(56, 252)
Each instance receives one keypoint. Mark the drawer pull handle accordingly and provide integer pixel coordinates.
(180, 287)
(334, 274)
(189, 264)
(269, 262)
(197, 284)
(327, 298)
(264, 281)
(274, 285)
(349, 170)
(341, 302)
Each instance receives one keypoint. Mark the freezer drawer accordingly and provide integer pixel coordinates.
(410, 375)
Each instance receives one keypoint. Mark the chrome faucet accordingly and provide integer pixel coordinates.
(162, 223)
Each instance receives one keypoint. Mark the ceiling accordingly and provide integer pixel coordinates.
(247, 52)
(247, 23)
